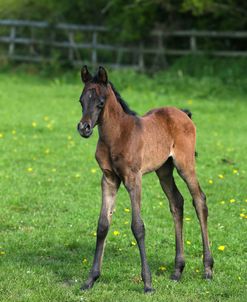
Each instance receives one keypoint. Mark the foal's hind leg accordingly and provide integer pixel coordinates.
(176, 202)
(110, 184)
(186, 168)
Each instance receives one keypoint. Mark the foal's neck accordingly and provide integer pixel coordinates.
(114, 121)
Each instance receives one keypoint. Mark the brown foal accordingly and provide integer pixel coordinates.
(130, 146)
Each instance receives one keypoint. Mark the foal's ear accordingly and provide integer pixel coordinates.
(102, 75)
(85, 75)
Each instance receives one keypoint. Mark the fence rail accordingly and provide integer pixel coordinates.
(39, 49)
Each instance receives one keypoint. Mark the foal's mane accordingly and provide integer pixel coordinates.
(120, 100)
(123, 104)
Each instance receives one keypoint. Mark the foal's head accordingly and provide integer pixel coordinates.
(92, 99)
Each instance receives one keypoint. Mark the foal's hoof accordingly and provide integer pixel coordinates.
(149, 290)
(175, 277)
(86, 286)
(208, 276)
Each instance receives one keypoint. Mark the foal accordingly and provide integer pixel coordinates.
(130, 146)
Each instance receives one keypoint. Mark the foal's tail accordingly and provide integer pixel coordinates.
(189, 113)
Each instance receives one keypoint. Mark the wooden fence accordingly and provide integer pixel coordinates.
(41, 42)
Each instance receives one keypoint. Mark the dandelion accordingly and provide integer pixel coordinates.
(49, 126)
(189, 102)
(94, 234)
(84, 260)
(126, 210)
(235, 171)
(77, 175)
(45, 118)
(34, 124)
(161, 203)
(69, 137)
(222, 202)
(188, 242)
(47, 151)
(239, 278)
(232, 200)
(53, 170)
(13, 132)
(93, 170)
(221, 248)
(116, 233)
(221, 176)
(187, 219)
(133, 243)
(162, 268)
(30, 169)
(2, 253)
(197, 270)
(126, 222)
(242, 215)
(210, 181)
(1, 135)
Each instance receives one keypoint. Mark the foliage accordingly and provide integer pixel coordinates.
(133, 19)
(50, 190)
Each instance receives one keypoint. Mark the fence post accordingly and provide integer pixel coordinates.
(71, 46)
(12, 40)
(94, 49)
(193, 46)
(141, 57)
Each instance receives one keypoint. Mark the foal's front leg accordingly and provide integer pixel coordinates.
(133, 185)
(110, 184)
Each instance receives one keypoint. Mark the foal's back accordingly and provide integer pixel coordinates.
(166, 131)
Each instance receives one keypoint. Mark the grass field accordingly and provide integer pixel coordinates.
(50, 192)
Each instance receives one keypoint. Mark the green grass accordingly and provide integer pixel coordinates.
(50, 192)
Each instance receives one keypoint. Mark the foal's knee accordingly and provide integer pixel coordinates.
(103, 227)
(138, 229)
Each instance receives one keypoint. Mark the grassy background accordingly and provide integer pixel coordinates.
(50, 192)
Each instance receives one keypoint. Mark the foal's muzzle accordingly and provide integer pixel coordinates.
(85, 129)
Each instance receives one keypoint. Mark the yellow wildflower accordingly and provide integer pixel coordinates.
(242, 215)
(133, 243)
(93, 170)
(234, 171)
(126, 222)
(189, 102)
(29, 169)
(14, 132)
(222, 202)
(197, 270)
(232, 200)
(126, 210)
(162, 268)
(69, 137)
(45, 118)
(1, 135)
(53, 169)
(84, 261)
(187, 219)
(188, 242)
(221, 176)
(77, 175)
(47, 151)
(94, 234)
(2, 253)
(49, 126)
(221, 248)
(210, 181)
(116, 233)
(34, 124)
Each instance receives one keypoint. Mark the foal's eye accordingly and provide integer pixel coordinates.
(101, 103)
